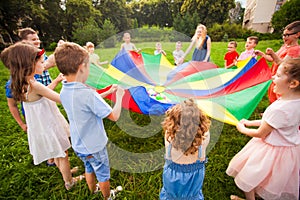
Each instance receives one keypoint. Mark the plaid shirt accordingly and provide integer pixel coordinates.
(45, 78)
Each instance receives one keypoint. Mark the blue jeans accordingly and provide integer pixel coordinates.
(97, 163)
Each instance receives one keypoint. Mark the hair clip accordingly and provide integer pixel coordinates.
(40, 53)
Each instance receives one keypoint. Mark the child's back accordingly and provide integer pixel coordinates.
(184, 169)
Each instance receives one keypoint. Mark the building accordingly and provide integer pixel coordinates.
(258, 14)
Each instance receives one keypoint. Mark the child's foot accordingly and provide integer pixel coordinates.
(50, 163)
(114, 192)
(74, 170)
(97, 190)
(76, 179)
(234, 197)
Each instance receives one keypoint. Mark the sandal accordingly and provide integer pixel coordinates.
(74, 170)
(234, 197)
(97, 190)
(69, 185)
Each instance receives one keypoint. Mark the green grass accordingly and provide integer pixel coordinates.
(20, 179)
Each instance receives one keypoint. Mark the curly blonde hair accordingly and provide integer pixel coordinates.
(185, 125)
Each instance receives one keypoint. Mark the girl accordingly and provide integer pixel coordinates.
(47, 130)
(186, 138)
(202, 43)
(269, 164)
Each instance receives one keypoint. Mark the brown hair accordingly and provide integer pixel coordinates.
(4, 57)
(22, 58)
(233, 43)
(185, 125)
(69, 56)
(24, 32)
(292, 69)
(253, 38)
(294, 26)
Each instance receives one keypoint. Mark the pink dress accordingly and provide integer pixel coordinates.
(271, 165)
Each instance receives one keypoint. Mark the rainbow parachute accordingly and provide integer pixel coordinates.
(153, 85)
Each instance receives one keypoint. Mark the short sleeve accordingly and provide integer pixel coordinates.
(276, 118)
(98, 106)
(8, 92)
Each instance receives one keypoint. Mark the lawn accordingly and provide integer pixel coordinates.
(135, 148)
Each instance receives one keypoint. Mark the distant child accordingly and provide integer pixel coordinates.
(202, 43)
(47, 129)
(251, 43)
(178, 53)
(232, 55)
(269, 164)
(127, 45)
(86, 110)
(158, 49)
(186, 138)
(94, 58)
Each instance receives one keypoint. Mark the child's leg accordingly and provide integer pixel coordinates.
(64, 168)
(91, 181)
(105, 189)
(250, 195)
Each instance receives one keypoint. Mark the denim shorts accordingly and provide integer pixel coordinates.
(97, 163)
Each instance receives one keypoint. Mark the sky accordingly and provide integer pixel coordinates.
(243, 3)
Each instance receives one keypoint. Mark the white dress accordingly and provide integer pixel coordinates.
(47, 129)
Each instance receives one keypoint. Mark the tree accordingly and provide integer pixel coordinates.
(186, 24)
(209, 11)
(108, 34)
(116, 11)
(288, 13)
(86, 31)
(78, 11)
(236, 14)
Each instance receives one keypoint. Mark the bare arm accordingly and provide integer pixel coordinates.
(112, 89)
(13, 108)
(267, 57)
(208, 50)
(116, 111)
(56, 81)
(44, 91)
(274, 56)
(50, 62)
(261, 132)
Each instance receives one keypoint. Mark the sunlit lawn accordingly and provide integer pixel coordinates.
(20, 179)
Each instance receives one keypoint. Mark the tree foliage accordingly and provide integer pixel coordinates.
(288, 13)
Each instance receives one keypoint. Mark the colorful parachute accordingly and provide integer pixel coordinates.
(153, 85)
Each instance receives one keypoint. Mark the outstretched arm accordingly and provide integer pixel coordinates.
(187, 51)
(56, 81)
(116, 111)
(261, 132)
(208, 49)
(45, 91)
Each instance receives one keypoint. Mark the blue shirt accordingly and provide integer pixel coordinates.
(85, 109)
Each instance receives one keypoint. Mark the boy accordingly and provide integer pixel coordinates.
(128, 45)
(178, 53)
(231, 55)
(86, 109)
(251, 43)
(158, 49)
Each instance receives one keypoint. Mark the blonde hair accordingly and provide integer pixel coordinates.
(203, 34)
(185, 125)
(89, 44)
(69, 56)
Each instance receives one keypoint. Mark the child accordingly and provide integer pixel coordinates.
(186, 138)
(127, 45)
(158, 49)
(251, 43)
(269, 164)
(47, 129)
(231, 56)
(290, 36)
(178, 53)
(94, 58)
(202, 43)
(86, 109)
